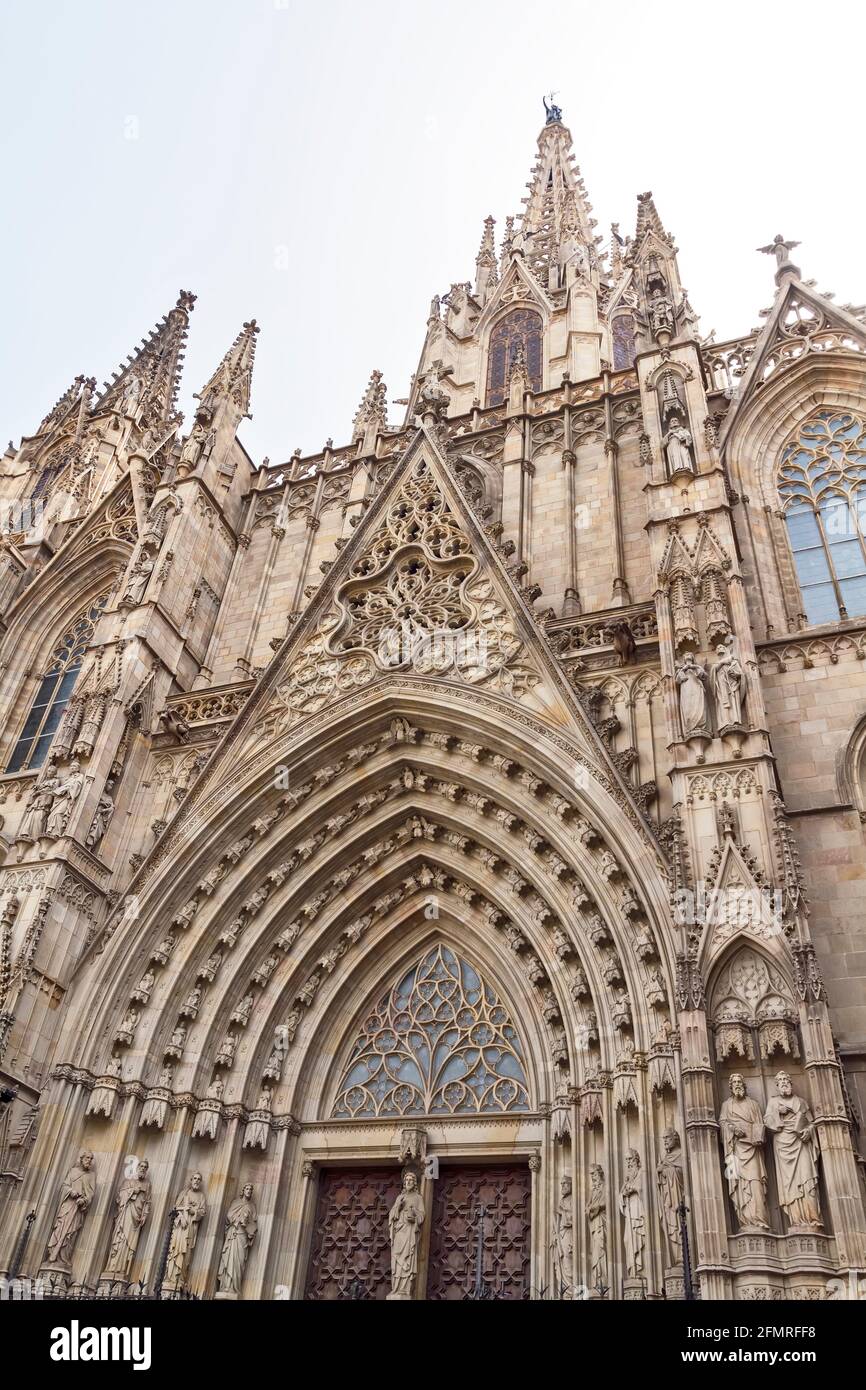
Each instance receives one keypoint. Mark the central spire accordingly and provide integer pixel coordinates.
(556, 231)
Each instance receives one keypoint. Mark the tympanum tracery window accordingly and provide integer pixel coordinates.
(438, 1043)
(54, 691)
(522, 328)
(822, 484)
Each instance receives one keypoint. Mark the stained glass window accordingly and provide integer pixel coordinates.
(54, 691)
(822, 484)
(438, 1043)
(522, 328)
(623, 342)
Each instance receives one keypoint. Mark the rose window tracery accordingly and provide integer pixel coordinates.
(438, 1043)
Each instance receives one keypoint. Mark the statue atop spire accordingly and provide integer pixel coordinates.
(780, 248)
(554, 112)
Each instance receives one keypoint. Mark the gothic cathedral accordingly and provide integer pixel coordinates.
(434, 868)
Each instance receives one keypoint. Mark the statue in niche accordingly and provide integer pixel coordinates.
(677, 444)
(241, 1228)
(728, 677)
(36, 811)
(634, 1221)
(597, 1215)
(661, 312)
(669, 1175)
(206, 1123)
(100, 823)
(692, 682)
(143, 989)
(102, 1097)
(130, 395)
(405, 1220)
(190, 1208)
(76, 1195)
(65, 793)
(138, 580)
(199, 441)
(191, 1004)
(563, 1240)
(795, 1145)
(742, 1127)
(133, 1208)
(128, 1025)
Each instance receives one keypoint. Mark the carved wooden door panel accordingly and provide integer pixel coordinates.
(351, 1250)
(458, 1193)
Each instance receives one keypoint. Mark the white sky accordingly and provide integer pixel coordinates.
(326, 168)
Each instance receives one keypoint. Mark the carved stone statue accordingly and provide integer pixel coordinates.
(258, 1128)
(241, 1227)
(597, 1214)
(405, 1220)
(190, 1208)
(669, 1176)
(35, 818)
(65, 794)
(133, 1202)
(76, 1195)
(100, 822)
(742, 1128)
(728, 676)
(795, 1145)
(102, 1097)
(677, 444)
(563, 1240)
(206, 1123)
(631, 1206)
(138, 580)
(692, 682)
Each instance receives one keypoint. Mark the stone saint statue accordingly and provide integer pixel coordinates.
(133, 1202)
(66, 793)
(241, 1227)
(677, 444)
(669, 1176)
(563, 1241)
(728, 688)
(35, 816)
(405, 1220)
(100, 822)
(190, 1208)
(597, 1214)
(634, 1221)
(76, 1195)
(742, 1127)
(102, 1097)
(795, 1145)
(692, 681)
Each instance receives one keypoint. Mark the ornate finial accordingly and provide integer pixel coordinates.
(554, 112)
(779, 248)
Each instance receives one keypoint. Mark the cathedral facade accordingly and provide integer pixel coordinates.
(434, 868)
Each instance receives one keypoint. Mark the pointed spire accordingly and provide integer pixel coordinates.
(648, 220)
(233, 377)
(372, 414)
(147, 385)
(556, 234)
(63, 406)
(486, 275)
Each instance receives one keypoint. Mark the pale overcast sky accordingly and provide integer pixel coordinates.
(326, 168)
